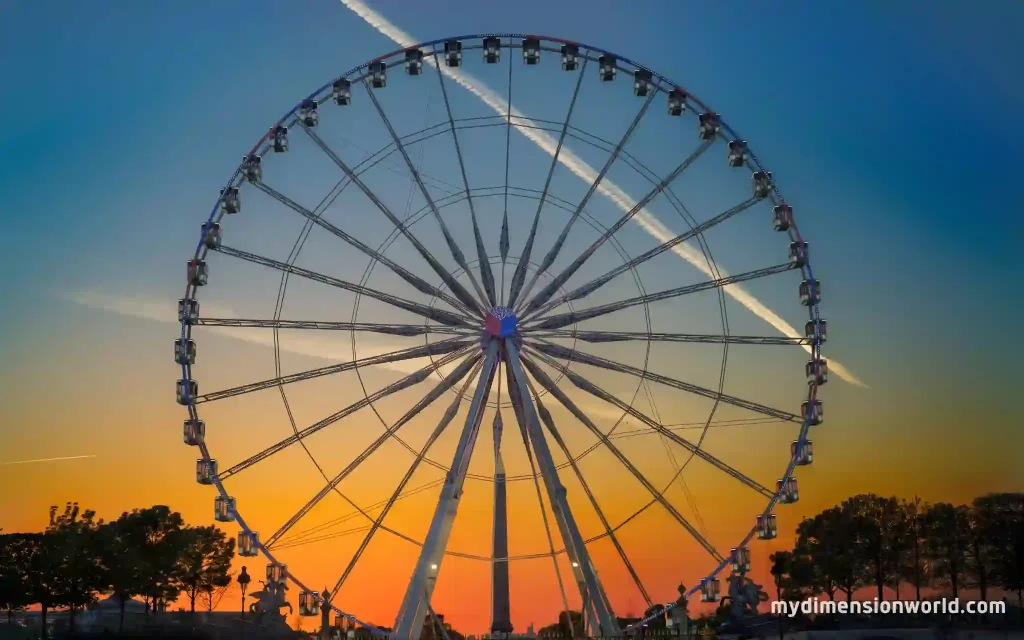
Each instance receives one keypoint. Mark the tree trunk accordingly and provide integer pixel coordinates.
(192, 601)
(71, 619)
(42, 620)
(123, 600)
(878, 577)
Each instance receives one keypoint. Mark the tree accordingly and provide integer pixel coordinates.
(42, 570)
(204, 562)
(829, 540)
(948, 535)
(1001, 516)
(80, 572)
(881, 528)
(215, 591)
(14, 551)
(915, 568)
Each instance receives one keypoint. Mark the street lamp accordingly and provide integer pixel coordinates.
(243, 582)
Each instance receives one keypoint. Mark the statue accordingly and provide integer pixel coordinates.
(679, 613)
(744, 597)
(271, 599)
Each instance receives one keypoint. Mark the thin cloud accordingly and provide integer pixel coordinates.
(644, 218)
(48, 459)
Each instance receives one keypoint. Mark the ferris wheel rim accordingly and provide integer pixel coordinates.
(805, 267)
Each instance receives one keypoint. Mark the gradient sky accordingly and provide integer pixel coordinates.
(889, 127)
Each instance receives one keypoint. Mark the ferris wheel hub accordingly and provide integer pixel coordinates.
(501, 322)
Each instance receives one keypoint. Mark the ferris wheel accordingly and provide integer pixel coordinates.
(511, 287)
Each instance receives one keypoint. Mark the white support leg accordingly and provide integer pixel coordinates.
(583, 568)
(414, 610)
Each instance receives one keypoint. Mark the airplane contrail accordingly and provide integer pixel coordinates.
(647, 221)
(47, 460)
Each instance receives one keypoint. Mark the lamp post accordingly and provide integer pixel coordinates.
(243, 582)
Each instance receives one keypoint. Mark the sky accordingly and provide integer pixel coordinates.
(889, 128)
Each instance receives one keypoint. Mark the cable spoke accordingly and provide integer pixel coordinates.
(417, 282)
(556, 283)
(437, 315)
(433, 349)
(545, 381)
(320, 325)
(519, 275)
(460, 292)
(558, 351)
(596, 391)
(457, 254)
(549, 422)
(622, 336)
(481, 252)
(404, 383)
(549, 259)
(592, 286)
(444, 385)
(565, 319)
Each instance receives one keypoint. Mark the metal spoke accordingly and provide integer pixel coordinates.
(422, 351)
(549, 259)
(558, 351)
(584, 570)
(437, 315)
(417, 282)
(481, 252)
(444, 385)
(622, 336)
(457, 254)
(321, 325)
(592, 286)
(549, 422)
(421, 585)
(565, 319)
(404, 383)
(545, 381)
(596, 391)
(519, 275)
(442, 424)
(456, 288)
(556, 283)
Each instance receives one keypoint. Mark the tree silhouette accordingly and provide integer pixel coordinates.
(204, 562)
(829, 540)
(74, 535)
(948, 536)
(914, 567)
(14, 551)
(1001, 517)
(881, 529)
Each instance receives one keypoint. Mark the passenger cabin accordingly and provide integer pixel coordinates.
(211, 235)
(817, 371)
(230, 200)
(252, 168)
(248, 544)
(192, 391)
(378, 71)
(737, 153)
(812, 410)
(223, 509)
(762, 183)
(453, 53)
(277, 572)
(342, 90)
(413, 62)
(767, 527)
(184, 351)
(782, 217)
(279, 138)
(607, 67)
(570, 57)
(787, 490)
(797, 254)
(810, 293)
(194, 432)
(804, 455)
(308, 114)
(676, 102)
(643, 82)
(531, 50)
(740, 560)
(198, 275)
(815, 331)
(708, 125)
(709, 589)
(492, 50)
(309, 604)
(188, 310)
(206, 470)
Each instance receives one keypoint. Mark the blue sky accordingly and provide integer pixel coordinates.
(890, 127)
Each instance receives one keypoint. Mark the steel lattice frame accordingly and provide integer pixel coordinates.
(460, 324)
